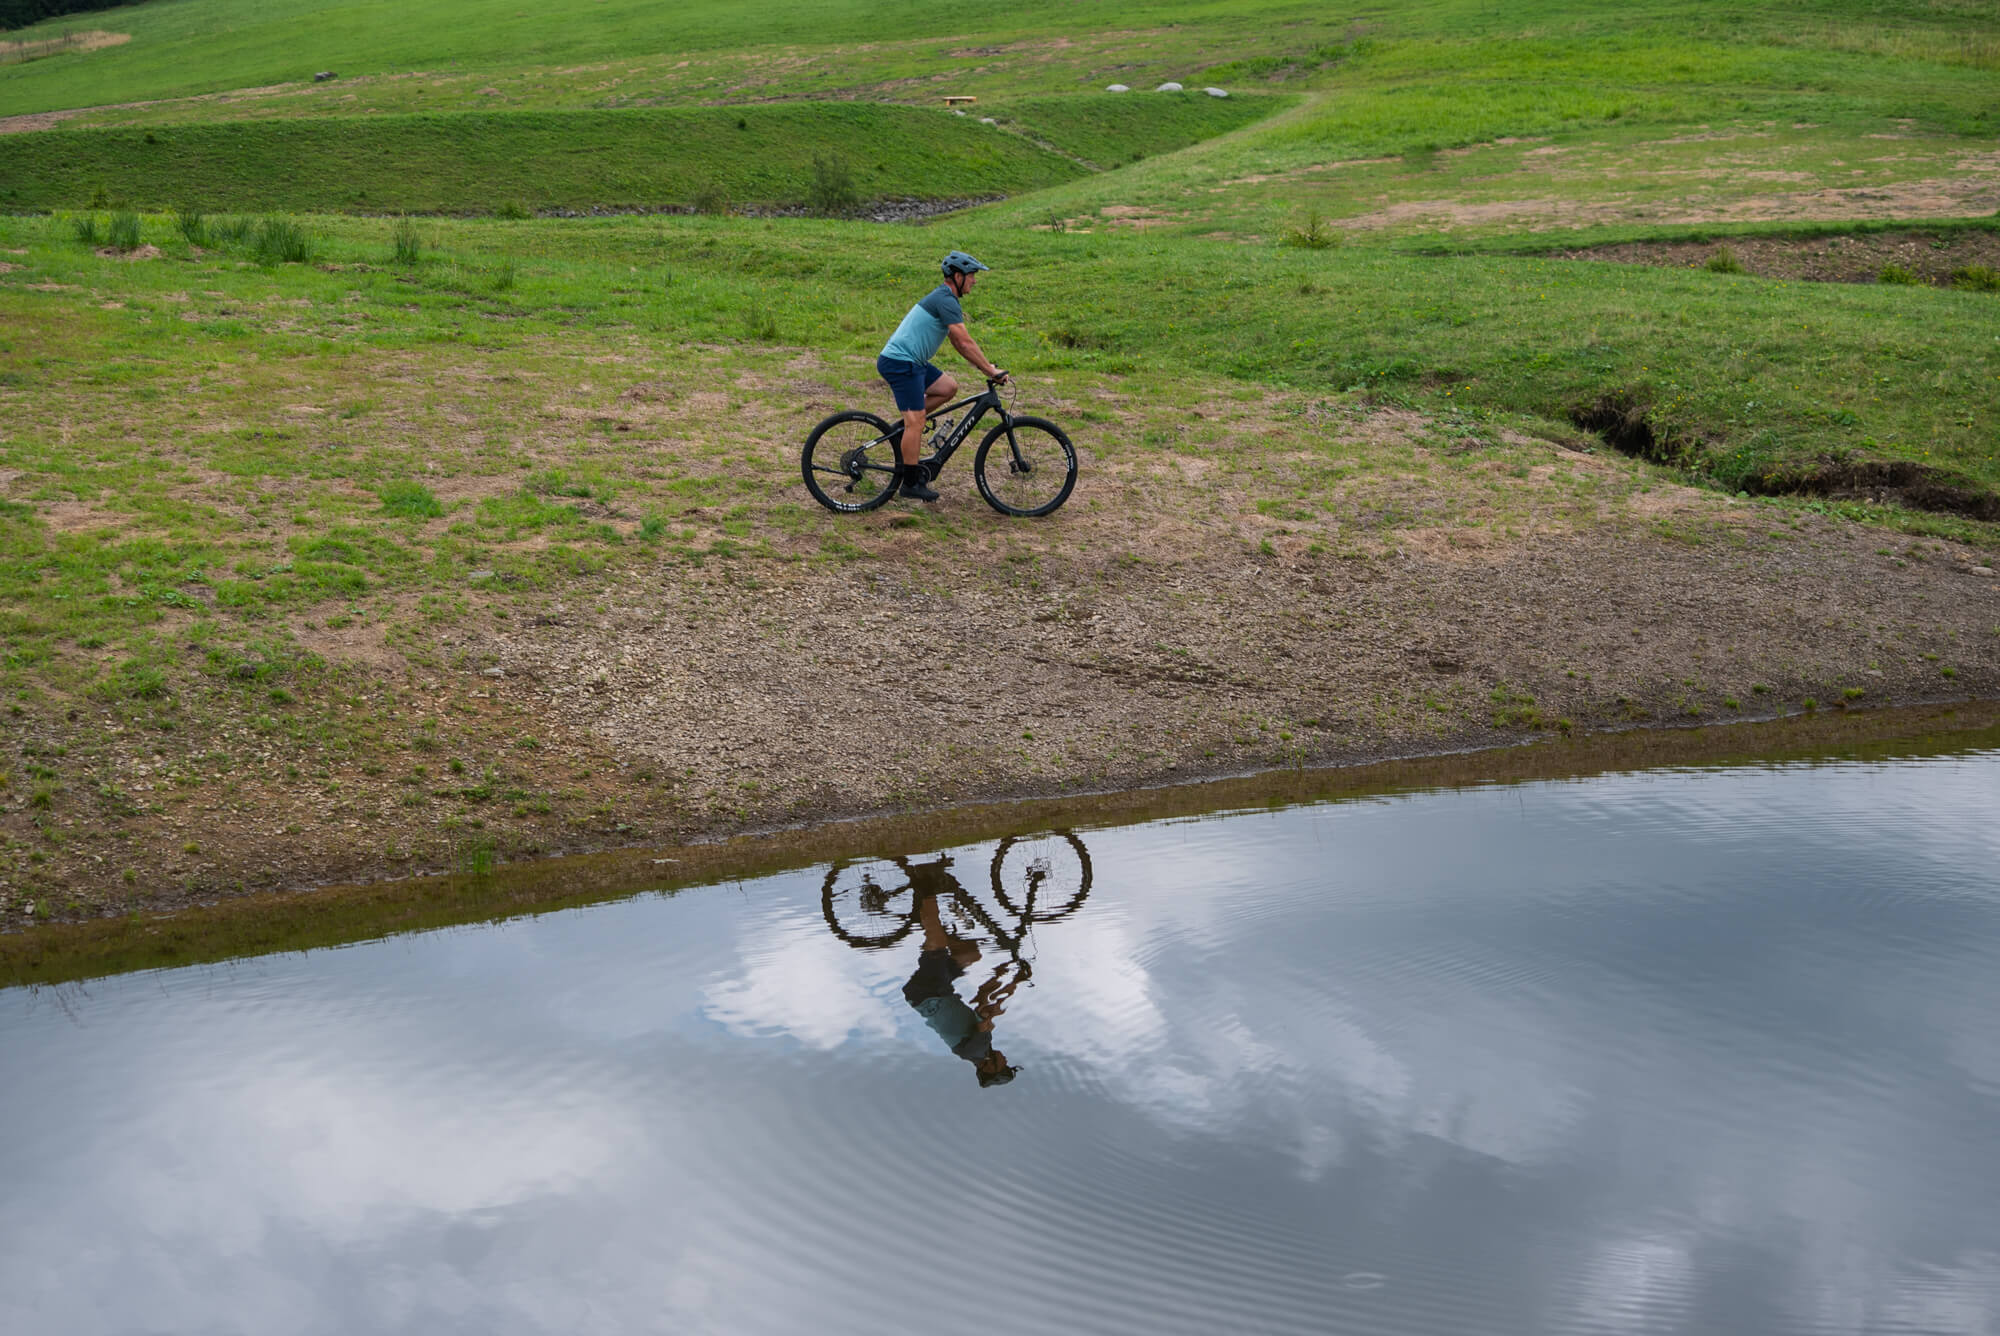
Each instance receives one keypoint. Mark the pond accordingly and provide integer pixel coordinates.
(1690, 1050)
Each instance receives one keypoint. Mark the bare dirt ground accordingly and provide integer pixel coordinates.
(1963, 196)
(1165, 626)
(1934, 257)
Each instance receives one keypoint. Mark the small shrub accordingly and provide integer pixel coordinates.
(193, 226)
(86, 230)
(1896, 274)
(282, 241)
(710, 197)
(1313, 234)
(831, 192)
(1977, 278)
(409, 498)
(123, 234)
(1724, 261)
(406, 246)
(516, 210)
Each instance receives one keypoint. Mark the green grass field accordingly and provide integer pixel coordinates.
(761, 156)
(212, 455)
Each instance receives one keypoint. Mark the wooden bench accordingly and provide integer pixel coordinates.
(954, 99)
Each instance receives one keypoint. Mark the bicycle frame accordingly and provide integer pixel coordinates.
(987, 400)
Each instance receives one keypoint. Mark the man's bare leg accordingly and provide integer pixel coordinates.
(940, 393)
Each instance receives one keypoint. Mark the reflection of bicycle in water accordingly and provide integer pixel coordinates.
(872, 903)
(877, 903)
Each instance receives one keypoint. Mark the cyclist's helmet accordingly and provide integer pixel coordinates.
(958, 262)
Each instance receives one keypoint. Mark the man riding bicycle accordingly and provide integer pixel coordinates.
(905, 362)
(966, 1030)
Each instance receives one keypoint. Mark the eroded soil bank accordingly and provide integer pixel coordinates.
(1170, 625)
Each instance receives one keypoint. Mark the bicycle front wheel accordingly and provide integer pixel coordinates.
(849, 462)
(1026, 467)
(869, 904)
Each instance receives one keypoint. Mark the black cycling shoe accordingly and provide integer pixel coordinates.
(915, 486)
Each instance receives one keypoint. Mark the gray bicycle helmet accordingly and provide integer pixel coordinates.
(958, 262)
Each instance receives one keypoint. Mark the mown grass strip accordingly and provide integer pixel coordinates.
(511, 163)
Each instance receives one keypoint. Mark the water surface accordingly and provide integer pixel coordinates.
(1677, 1051)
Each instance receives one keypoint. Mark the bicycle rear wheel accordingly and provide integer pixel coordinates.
(849, 462)
(1025, 468)
(1041, 878)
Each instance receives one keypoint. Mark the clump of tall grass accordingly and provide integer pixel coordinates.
(406, 245)
(231, 231)
(85, 229)
(283, 241)
(123, 233)
(1897, 274)
(514, 209)
(831, 192)
(501, 276)
(1724, 261)
(1312, 234)
(193, 226)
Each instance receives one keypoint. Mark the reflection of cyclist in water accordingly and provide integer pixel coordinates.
(966, 1030)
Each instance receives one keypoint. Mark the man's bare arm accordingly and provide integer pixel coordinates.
(970, 350)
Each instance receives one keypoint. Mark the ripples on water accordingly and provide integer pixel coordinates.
(1708, 1051)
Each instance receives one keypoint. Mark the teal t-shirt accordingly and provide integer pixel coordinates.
(954, 1022)
(923, 330)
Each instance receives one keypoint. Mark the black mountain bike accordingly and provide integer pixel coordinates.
(871, 904)
(1025, 465)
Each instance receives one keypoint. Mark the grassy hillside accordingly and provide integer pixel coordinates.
(1111, 129)
(183, 47)
(616, 52)
(763, 155)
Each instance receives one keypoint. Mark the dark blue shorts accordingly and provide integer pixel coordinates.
(908, 380)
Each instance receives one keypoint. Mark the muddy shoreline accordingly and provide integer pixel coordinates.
(333, 915)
